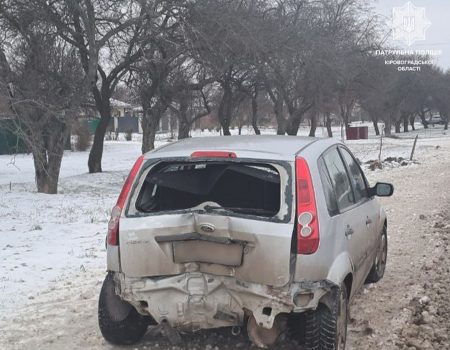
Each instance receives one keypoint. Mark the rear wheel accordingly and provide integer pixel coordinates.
(119, 321)
(326, 329)
(379, 265)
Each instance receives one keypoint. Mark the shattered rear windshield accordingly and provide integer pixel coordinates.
(252, 189)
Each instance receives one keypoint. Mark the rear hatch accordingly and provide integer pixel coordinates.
(229, 217)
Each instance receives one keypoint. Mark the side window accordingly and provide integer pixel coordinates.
(328, 189)
(356, 176)
(339, 178)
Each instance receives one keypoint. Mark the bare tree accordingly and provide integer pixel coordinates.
(440, 93)
(222, 41)
(310, 57)
(106, 34)
(152, 83)
(41, 80)
(167, 74)
(190, 105)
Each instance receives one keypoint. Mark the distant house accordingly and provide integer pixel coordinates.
(164, 123)
(127, 118)
(124, 119)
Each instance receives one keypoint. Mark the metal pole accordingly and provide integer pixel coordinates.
(381, 145)
(414, 147)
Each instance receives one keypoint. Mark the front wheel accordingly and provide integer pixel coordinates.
(119, 321)
(379, 265)
(326, 329)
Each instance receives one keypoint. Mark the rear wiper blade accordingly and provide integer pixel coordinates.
(238, 209)
(209, 208)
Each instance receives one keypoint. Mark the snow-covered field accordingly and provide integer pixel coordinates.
(48, 240)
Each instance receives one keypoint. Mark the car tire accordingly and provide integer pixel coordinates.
(326, 329)
(379, 266)
(119, 322)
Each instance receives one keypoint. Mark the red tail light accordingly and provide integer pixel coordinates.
(113, 225)
(307, 222)
(213, 154)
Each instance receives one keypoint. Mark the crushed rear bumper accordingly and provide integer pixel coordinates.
(195, 300)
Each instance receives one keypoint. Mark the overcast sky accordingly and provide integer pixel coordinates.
(437, 36)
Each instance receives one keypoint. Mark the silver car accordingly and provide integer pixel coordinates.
(243, 230)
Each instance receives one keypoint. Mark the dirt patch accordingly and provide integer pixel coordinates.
(428, 326)
(389, 163)
(408, 308)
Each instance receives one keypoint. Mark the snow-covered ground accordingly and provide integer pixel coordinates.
(46, 239)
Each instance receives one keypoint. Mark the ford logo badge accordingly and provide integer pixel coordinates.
(207, 228)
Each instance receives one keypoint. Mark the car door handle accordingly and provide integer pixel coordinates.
(349, 231)
(368, 221)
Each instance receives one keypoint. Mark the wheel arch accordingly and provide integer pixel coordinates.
(340, 273)
(340, 269)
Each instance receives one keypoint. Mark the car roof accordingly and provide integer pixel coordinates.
(248, 146)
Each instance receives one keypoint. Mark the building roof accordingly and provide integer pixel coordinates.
(120, 104)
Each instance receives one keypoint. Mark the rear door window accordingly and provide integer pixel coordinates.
(356, 176)
(339, 179)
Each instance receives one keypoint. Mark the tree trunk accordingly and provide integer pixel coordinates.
(294, 124)
(423, 119)
(412, 119)
(183, 129)
(387, 127)
(226, 109)
(405, 123)
(104, 108)
(375, 126)
(295, 119)
(397, 126)
(347, 126)
(345, 118)
(444, 116)
(312, 130)
(96, 153)
(281, 121)
(255, 113)
(328, 125)
(277, 101)
(47, 156)
(150, 123)
(184, 125)
(345, 114)
(44, 182)
(281, 127)
(226, 130)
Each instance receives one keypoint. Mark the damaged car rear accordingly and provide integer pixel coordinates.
(227, 232)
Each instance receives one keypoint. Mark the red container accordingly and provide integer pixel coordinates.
(352, 133)
(357, 133)
(363, 132)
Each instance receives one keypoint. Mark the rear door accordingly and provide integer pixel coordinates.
(177, 221)
(369, 206)
(352, 228)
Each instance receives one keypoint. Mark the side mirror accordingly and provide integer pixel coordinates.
(382, 189)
